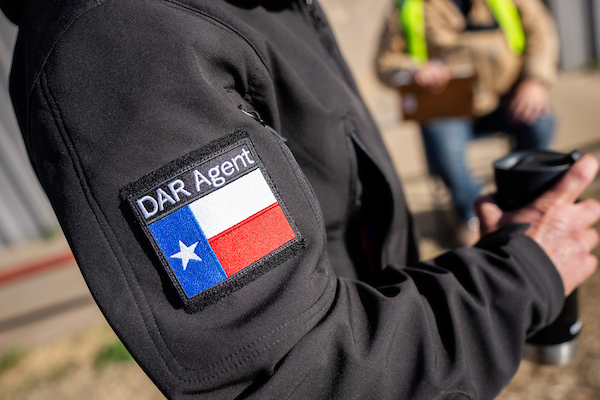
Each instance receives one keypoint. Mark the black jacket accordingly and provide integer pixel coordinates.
(126, 106)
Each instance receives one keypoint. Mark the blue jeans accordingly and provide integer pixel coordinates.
(446, 139)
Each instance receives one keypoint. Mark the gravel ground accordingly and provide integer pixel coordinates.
(68, 370)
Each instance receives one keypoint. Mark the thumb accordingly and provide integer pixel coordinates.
(570, 187)
(489, 214)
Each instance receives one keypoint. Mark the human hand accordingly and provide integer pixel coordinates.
(434, 75)
(563, 229)
(530, 101)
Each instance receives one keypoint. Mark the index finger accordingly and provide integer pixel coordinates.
(570, 187)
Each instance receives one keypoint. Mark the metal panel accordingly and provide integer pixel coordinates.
(24, 209)
(573, 24)
(594, 7)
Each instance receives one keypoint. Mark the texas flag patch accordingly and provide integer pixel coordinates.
(215, 223)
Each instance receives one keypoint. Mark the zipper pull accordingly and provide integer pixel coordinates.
(256, 116)
(310, 6)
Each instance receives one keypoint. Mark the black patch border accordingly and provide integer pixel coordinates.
(231, 284)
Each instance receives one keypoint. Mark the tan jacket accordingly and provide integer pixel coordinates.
(487, 52)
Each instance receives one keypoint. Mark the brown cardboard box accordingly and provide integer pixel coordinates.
(456, 100)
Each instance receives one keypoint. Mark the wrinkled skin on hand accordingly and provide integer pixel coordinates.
(563, 228)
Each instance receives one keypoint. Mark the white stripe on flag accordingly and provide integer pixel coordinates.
(232, 204)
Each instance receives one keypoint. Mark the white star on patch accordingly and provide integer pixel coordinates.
(186, 254)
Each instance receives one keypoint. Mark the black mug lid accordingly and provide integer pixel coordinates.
(522, 176)
(537, 161)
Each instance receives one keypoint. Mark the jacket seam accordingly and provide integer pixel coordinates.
(74, 158)
(388, 231)
(98, 3)
(522, 261)
(58, 38)
(224, 25)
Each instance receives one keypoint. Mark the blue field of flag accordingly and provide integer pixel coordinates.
(187, 251)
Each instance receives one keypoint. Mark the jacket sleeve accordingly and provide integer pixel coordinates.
(129, 121)
(392, 57)
(540, 60)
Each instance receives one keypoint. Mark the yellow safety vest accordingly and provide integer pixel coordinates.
(412, 23)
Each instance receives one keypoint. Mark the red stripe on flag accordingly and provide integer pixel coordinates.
(252, 239)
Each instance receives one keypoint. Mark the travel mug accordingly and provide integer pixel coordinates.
(521, 177)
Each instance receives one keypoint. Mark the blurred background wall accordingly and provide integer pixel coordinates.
(578, 24)
(24, 210)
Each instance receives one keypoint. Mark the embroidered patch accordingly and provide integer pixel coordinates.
(214, 219)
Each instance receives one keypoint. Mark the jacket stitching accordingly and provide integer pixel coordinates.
(249, 95)
(74, 157)
(224, 25)
(58, 37)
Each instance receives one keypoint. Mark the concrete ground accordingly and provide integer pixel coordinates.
(45, 303)
(55, 301)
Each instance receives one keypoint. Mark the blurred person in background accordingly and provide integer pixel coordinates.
(512, 48)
